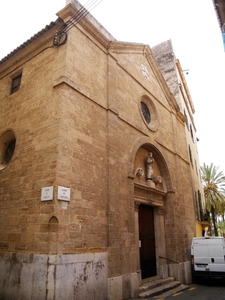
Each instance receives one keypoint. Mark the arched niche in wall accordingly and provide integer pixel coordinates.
(7, 147)
(53, 224)
(138, 154)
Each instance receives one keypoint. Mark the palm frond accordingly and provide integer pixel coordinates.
(214, 190)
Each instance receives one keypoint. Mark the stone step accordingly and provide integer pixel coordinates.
(171, 292)
(153, 284)
(159, 290)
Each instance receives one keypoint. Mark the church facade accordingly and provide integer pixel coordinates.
(96, 189)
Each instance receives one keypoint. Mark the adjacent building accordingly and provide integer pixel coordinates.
(174, 75)
(219, 6)
(97, 189)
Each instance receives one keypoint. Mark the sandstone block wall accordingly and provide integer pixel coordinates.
(78, 124)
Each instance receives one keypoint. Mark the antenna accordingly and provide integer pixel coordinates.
(61, 35)
(187, 71)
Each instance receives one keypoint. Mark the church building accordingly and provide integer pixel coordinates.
(96, 190)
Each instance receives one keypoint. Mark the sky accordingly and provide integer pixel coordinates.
(192, 26)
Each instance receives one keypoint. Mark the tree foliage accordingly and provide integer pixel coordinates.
(221, 228)
(214, 191)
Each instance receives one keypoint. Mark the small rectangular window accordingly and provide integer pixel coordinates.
(190, 154)
(16, 83)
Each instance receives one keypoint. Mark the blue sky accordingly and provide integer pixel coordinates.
(191, 25)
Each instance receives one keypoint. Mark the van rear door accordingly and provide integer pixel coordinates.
(216, 255)
(200, 252)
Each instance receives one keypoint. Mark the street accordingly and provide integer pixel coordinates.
(204, 290)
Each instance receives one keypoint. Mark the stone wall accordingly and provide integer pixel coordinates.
(78, 124)
(36, 276)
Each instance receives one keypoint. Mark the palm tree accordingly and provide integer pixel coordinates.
(221, 227)
(214, 192)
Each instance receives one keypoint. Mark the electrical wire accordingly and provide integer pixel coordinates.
(79, 15)
(60, 37)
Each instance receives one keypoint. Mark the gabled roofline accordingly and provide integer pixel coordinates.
(126, 47)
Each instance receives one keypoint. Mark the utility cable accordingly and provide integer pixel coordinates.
(81, 13)
(61, 35)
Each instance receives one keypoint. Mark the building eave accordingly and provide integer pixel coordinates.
(184, 83)
(88, 23)
(219, 6)
(31, 40)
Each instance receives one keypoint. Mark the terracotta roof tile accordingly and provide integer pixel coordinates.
(34, 37)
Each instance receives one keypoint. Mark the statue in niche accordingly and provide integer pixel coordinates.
(149, 166)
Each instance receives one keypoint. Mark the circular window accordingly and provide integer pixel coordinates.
(145, 112)
(7, 147)
(149, 113)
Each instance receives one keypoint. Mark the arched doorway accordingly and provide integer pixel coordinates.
(149, 197)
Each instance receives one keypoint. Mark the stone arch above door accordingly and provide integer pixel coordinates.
(149, 191)
(160, 165)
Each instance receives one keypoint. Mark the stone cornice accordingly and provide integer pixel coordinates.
(181, 74)
(148, 195)
(88, 23)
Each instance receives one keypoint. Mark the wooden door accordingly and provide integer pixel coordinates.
(147, 241)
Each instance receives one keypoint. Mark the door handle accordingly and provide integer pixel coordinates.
(212, 260)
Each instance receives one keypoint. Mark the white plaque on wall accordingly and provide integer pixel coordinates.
(63, 193)
(47, 193)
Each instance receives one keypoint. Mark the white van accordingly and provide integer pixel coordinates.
(208, 257)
